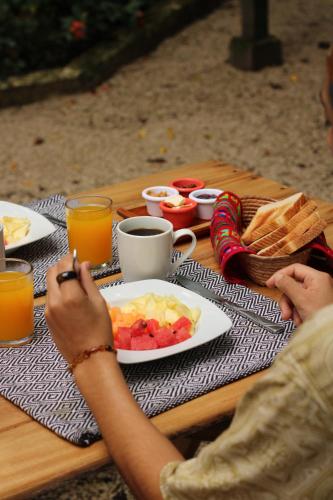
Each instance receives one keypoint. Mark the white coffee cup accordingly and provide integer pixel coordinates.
(149, 256)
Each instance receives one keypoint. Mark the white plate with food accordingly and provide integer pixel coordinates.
(209, 321)
(22, 225)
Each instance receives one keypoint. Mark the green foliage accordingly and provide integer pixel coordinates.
(38, 34)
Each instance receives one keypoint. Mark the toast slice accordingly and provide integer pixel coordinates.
(303, 239)
(271, 238)
(272, 215)
(302, 234)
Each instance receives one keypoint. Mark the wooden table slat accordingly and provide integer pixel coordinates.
(31, 456)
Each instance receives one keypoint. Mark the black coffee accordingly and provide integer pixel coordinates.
(145, 231)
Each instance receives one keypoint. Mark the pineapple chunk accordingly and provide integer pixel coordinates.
(165, 309)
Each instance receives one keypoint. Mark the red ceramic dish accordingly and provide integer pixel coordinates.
(187, 184)
(180, 217)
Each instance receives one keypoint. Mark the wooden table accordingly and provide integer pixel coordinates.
(31, 456)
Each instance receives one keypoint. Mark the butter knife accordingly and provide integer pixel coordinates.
(209, 294)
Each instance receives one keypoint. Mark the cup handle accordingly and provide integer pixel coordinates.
(176, 235)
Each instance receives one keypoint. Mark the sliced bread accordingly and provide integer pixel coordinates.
(271, 238)
(299, 236)
(295, 244)
(271, 216)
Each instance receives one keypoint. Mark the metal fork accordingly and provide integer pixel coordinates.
(54, 219)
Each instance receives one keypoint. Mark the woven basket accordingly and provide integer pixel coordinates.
(258, 268)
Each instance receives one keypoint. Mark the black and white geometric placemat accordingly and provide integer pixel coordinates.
(35, 378)
(45, 252)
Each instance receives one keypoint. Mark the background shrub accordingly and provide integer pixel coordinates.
(39, 34)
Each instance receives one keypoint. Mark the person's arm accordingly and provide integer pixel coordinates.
(137, 447)
(78, 319)
(304, 291)
(279, 443)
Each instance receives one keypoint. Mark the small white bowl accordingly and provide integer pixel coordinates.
(205, 207)
(153, 202)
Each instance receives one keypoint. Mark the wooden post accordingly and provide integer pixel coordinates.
(255, 48)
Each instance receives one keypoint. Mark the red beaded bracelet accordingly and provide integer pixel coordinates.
(87, 353)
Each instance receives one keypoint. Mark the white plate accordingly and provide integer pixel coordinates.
(39, 228)
(211, 324)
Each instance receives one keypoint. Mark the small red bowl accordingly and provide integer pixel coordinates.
(186, 185)
(182, 216)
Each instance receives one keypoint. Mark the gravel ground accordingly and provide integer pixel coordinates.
(182, 104)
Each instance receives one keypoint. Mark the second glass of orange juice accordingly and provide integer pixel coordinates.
(16, 302)
(89, 228)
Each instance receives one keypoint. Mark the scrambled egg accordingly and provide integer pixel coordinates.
(15, 228)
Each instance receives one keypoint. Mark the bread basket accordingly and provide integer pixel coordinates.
(259, 268)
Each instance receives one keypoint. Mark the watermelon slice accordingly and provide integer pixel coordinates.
(152, 326)
(143, 343)
(146, 334)
(123, 339)
(164, 337)
(139, 328)
(182, 322)
(181, 335)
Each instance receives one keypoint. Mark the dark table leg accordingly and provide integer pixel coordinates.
(255, 48)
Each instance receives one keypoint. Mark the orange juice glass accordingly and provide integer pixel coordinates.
(89, 228)
(16, 302)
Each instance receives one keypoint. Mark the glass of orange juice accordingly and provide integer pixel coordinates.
(89, 228)
(16, 302)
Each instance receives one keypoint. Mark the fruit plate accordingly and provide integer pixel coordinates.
(40, 227)
(200, 227)
(212, 323)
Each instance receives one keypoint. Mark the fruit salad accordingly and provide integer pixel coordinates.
(152, 321)
(15, 228)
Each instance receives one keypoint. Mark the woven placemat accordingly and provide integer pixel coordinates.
(35, 378)
(45, 252)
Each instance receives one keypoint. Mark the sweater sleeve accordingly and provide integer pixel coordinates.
(280, 442)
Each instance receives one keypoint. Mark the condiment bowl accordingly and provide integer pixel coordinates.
(182, 216)
(153, 197)
(186, 185)
(205, 199)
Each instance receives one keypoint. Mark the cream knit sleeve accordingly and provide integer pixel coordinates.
(280, 443)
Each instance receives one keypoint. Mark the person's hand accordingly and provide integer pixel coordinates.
(76, 312)
(304, 291)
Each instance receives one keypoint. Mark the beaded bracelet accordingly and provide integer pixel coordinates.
(87, 353)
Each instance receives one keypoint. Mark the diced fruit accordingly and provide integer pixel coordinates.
(181, 335)
(165, 309)
(114, 313)
(124, 337)
(139, 328)
(183, 321)
(14, 228)
(143, 343)
(124, 331)
(164, 337)
(152, 326)
(152, 321)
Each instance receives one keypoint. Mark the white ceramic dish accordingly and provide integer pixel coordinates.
(205, 208)
(153, 202)
(212, 323)
(40, 227)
